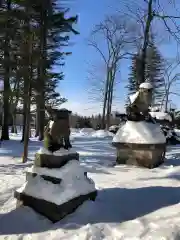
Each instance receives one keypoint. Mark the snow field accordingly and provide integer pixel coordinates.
(133, 203)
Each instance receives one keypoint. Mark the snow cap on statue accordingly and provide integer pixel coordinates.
(146, 85)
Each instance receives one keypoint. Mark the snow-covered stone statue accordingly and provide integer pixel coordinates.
(57, 184)
(140, 102)
(57, 131)
(140, 140)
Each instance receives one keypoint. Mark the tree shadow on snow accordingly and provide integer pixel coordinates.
(113, 205)
(173, 176)
(11, 169)
(23, 221)
(96, 151)
(117, 205)
(14, 148)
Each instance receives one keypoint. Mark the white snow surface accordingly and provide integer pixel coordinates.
(161, 116)
(60, 152)
(146, 85)
(133, 97)
(73, 184)
(177, 131)
(139, 132)
(113, 127)
(102, 134)
(132, 204)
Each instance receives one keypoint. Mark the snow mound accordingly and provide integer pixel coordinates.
(161, 116)
(84, 132)
(74, 183)
(102, 134)
(87, 130)
(139, 132)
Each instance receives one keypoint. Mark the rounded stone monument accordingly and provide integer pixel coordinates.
(140, 141)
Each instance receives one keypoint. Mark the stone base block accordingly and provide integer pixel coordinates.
(52, 161)
(50, 210)
(145, 155)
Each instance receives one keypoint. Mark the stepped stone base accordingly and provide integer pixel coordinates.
(52, 161)
(50, 210)
(51, 179)
(144, 155)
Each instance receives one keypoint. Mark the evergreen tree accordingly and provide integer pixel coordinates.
(134, 79)
(43, 26)
(154, 71)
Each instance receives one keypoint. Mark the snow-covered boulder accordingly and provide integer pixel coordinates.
(56, 185)
(140, 143)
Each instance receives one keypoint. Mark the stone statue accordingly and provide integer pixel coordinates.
(57, 131)
(138, 109)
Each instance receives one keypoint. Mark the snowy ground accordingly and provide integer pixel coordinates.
(132, 203)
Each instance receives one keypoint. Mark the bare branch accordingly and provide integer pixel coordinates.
(94, 44)
(165, 16)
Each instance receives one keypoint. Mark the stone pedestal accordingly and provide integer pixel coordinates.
(145, 155)
(140, 143)
(54, 177)
(53, 161)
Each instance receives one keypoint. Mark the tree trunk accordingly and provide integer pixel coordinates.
(108, 100)
(26, 130)
(43, 48)
(146, 41)
(37, 116)
(5, 125)
(14, 128)
(14, 104)
(112, 87)
(25, 106)
(27, 80)
(112, 76)
(103, 122)
(28, 47)
(110, 97)
(166, 103)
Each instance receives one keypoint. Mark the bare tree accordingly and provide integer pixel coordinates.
(155, 10)
(171, 84)
(96, 82)
(112, 39)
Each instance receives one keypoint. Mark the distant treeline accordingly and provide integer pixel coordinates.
(94, 122)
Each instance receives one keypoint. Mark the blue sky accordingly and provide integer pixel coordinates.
(75, 85)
